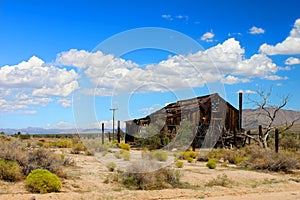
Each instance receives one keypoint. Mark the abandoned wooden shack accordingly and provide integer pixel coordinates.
(215, 122)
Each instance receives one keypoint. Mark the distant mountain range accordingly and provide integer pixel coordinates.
(38, 130)
(251, 120)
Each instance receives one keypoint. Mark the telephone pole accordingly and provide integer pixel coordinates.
(113, 122)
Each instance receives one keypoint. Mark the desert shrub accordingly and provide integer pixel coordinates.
(64, 143)
(211, 164)
(159, 179)
(189, 154)
(268, 160)
(118, 155)
(179, 164)
(124, 146)
(224, 164)
(89, 152)
(221, 180)
(75, 140)
(78, 148)
(153, 142)
(215, 153)
(234, 156)
(290, 140)
(44, 159)
(125, 155)
(14, 150)
(145, 153)
(238, 160)
(111, 166)
(10, 170)
(122, 154)
(159, 155)
(103, 147)
(30, 160)
(42, 181)
(190, 160)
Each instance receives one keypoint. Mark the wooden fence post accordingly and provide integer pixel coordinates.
(249, 139)
(276, 140)
(260, 132)
(119, 132)
(102, 133)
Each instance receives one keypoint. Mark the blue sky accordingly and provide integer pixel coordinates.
(58, 68)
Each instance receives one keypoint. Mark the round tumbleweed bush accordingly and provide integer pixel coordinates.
(42, 181)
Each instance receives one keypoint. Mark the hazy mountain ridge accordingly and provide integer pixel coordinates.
(252, 118)
(39, 130)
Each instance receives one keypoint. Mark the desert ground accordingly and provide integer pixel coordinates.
(86, 181)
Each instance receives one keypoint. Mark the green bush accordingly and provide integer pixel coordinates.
(190, 160)
(179, 164)
(10, 170)
(211, 164)
(124, 146)
(111, 166)
(42, 181)
(64, 143)
(159, 155)
(189, 154)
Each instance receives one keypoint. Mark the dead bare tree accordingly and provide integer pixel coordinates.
(269, 111)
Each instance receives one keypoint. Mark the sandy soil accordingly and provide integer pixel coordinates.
(86, 182)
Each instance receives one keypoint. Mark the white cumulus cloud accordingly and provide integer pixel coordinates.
(33, 83)
(292, 61)
(255, 30)
(224, 62)
(208, 36)
(291, 45)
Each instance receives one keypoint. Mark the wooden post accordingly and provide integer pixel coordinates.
(276, 140)
(119, 132)
(109, 139)
(260, 132)
(102, 133)
(249, 139)
(234, 138)
(240, 110)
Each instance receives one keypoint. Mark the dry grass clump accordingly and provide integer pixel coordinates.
(78, 148)
(10, 170)
(122, 154)
(146, 175)
(159, 155)
(220, 180)
(158, 179)
(266, 159)
(111, 166)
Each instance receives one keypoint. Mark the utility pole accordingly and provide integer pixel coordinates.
(113, 122)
